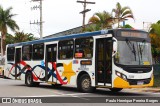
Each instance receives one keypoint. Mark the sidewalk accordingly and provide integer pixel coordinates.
(147, 89)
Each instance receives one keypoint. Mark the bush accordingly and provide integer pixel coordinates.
(157, 80)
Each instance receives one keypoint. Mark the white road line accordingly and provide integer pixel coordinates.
(72, 95)
(156, 93)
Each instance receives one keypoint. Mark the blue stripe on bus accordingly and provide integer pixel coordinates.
(65, 37)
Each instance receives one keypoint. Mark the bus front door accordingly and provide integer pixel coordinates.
(103, 61)
(51, 54)
(17, 63)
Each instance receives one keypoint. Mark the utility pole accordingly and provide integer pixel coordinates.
(1, 45)
(41, 23)
(84, 11)
(41, 20)
(146, 26)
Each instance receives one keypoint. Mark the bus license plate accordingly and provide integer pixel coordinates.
(140, 83)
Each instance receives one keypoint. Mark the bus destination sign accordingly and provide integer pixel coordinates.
(134, 34)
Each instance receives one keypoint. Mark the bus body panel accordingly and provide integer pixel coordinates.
(66, 71)
(138, 78)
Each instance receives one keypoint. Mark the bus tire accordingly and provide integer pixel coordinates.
(84, 84)
(29, 79)
(36, 84)
(56, 85)
(115, 89)
(3, 74)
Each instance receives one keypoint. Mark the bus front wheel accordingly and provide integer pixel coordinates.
(115, 89)
(84, 84)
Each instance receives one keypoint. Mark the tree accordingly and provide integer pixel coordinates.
(23, 37)
(127, 26)
(101, 20)
(9, 39)
(155, 38)
(122, 13)
(155, 28)
(92, 27)
(6, 22)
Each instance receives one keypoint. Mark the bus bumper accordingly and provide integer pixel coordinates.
(121, 83)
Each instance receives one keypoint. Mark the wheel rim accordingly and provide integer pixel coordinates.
(29, 79)
(86, 83)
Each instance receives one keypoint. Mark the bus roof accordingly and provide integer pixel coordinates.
(63, 37)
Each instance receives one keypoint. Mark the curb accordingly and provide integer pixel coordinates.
(152, 90)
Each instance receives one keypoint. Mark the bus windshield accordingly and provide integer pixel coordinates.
(133, 53)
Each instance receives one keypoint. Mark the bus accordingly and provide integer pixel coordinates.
(113, 59)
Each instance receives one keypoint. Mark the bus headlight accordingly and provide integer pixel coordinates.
(124, 77)
(121, 75)
(118, 74)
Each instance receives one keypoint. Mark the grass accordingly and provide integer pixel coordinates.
(157, 81)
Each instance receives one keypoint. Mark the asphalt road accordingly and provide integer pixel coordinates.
(16, 88)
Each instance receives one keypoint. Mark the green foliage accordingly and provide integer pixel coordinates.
(155, 38)
(156, 80)
(99, 20)
(93, 27)
(127, 26)
(23, 37)
(6, 21)
(19, 37)
(103, 20)
(9, 39)
(155, 28)
(122, 13)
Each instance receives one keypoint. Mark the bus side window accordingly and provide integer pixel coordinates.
(10, 53)
(38, 51)
(84, 47)
(27, 52)
(65, 49)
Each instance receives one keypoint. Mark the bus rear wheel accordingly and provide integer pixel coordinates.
(84, 84)
(29, 79)
(3, 74)
(115, 89)
(56, 85)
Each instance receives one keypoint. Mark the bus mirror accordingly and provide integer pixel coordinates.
(114, 48)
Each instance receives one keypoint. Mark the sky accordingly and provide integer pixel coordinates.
(61, 15)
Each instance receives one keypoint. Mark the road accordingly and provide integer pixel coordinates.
(12, 88)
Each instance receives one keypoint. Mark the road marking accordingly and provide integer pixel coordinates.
(59, 94)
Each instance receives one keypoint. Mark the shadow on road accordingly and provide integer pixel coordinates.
(99, 91)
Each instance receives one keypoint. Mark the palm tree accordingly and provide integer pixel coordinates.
(23, 37)
(101, 19)
(6, 22)
(122, 13)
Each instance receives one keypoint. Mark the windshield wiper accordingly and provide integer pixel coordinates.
(140, 48)
(131, 47)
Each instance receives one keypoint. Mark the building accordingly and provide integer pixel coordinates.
(67, 32)
(78, 29)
